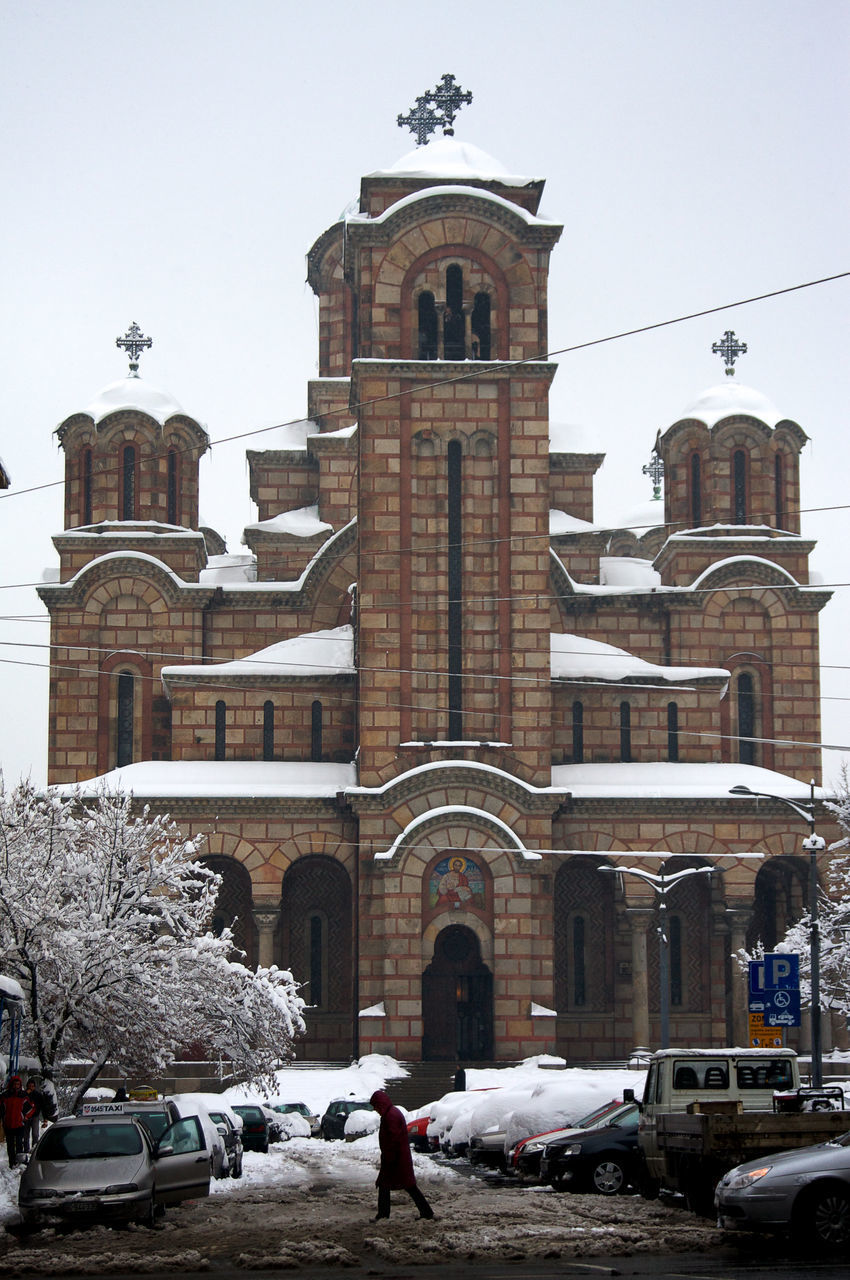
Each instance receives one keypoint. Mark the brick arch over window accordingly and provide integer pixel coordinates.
(119, 701)
(481, 274)
(234, 905)
(781, 897)
(584, 937)
(315, 936)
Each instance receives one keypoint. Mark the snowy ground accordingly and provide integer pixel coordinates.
(310, 1202)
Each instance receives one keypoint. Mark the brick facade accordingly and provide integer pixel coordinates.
(419, 826)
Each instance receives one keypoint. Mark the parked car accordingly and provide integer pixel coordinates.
(275, 1123)
(105, 1167)
(805, 1191)
(155, 1114)
(257, 1127)
(332, 1124)
(526, 1155)
(300, 1109)
(602, 1160)
(193, 1104)
(417, 1132)
(229, 1126)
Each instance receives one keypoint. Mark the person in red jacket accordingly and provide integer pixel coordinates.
(16, 1110)
(396, 1172)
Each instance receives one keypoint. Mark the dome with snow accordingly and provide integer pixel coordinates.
(450, 158)
(133, 393)
(729, 398)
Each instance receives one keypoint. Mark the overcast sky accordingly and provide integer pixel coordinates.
(172, 163)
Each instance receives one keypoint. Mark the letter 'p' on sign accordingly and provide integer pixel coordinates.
(781, 970)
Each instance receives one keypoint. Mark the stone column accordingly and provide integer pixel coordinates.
(640, 920)
(738, 919)
(266, 919)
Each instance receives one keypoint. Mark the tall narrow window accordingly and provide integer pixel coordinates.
(86, 486)
(316, 730)
(268, 730)
(316, 957)
(739, 486)
(746, 718)
(454, 336)
(696, 490)
(173, 509)
(427, 326)
(455, 584)
(672, 731)
(779, 489)
(579, 970)
(480, 326)
(220, 729)
(578, 732)
(674, 926)
(126, 718)
(625, 731)
(128, 482)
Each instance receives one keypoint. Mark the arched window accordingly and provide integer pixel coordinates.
(86, 486)
(739, 486)
(579, 967)
(583, 925)
(129, 483)
(454, 335)
(220, 729)
(427, 326)
(455, 585)
(480, 326)
(316, 943)
(578, 732)
(625, 731)
(746, 700)
(315, 937)
(268, 730)
(696, 490)
(672, 731)
(316, 730)
(126, 719)
(779, 489)
(173, 494)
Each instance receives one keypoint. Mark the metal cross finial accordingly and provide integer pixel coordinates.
(134, 343)
(655, 470)
(730, 348)
(421, 120)
(448, 97)
(438, 107)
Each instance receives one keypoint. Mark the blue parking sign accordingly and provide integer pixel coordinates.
(781, 971)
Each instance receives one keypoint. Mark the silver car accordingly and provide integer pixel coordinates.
(106, 1167)
(806, 1191)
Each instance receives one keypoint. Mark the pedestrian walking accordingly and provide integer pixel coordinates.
(396, 1172)
(16, 1109)
(32, 1126)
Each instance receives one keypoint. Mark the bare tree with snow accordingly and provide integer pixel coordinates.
(104, 920)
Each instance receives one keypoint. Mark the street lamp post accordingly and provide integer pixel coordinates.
(661, 884)
(812, 845)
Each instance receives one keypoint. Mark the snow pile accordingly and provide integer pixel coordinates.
(323, 653)
(302, 523)
(578, 657)
(318, 1088)
(567, 1098)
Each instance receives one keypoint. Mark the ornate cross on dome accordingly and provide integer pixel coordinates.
(729, 348)
(134, 343)
(655, 469)
(423, 119)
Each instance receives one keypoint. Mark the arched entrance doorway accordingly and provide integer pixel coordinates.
(457, 1000)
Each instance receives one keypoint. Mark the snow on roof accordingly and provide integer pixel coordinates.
(132, 528)
(459, 811)
(640, 517)
(133, 393)
(303, 523)
(229, 568)
(427, 193)
(662, 780)
(293, 435)
(561, 522)
(450, 158)
(627, 571)
(237, 779)
(732, 397)
(316, 653)
(743, 561)
(580, 658)
(10, 988)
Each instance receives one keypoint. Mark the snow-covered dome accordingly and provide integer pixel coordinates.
(732, 397)
(451, 158)
(133, 393)
(640, 518)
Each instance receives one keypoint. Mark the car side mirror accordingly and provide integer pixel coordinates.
(222, 1128)
(628, 1095)
(163, 1151)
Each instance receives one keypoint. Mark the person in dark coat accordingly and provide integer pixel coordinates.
(396, 1172)
(16, 1110)
(32, 1126)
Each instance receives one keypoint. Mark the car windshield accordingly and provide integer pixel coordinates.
(85, 1142)
(156, 1122)
(286, 1107)
(249, 1113)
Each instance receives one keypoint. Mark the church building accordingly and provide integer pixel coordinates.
(451, 742)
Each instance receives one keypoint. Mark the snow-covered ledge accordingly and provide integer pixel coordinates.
(374, 1011)
(540, 1011)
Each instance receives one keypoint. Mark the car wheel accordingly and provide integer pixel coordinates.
(147, 1217)
(236, 1171)
(559, 1182)
(824, 1215)
(608, 1176)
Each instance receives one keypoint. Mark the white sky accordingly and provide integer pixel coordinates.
(173, 163)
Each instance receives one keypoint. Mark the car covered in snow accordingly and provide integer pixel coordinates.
(299, 1109)
(334, 1125)
(106, 1167)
